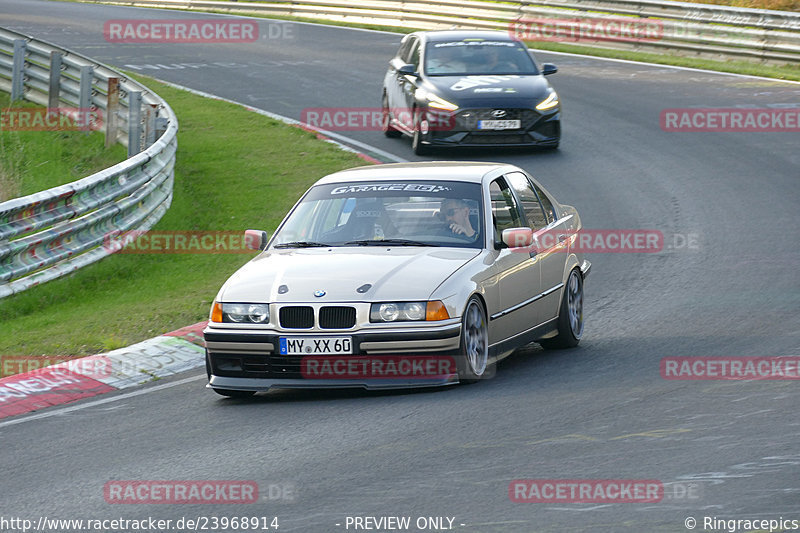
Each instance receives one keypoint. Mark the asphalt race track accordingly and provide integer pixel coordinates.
(724, 449)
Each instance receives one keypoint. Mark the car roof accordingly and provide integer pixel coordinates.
(457, 35)
(428, 171)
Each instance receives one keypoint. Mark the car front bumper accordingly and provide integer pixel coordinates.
(537, 129)
(249, 360)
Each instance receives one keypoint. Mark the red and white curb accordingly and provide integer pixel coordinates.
(140, 363)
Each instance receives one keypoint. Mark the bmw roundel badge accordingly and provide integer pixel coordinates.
(319, 293)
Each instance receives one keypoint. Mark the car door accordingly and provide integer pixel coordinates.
(550, 240)
(517, 274)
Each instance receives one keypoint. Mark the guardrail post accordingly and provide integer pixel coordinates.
(18, 70)
(85, 97)
(150, 124)
(112, 110)
(54, 92)
(134, 123)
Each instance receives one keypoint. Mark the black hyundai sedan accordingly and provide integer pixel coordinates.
(469, 88)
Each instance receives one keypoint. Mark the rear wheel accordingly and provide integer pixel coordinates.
(386, 120)
(473, 359)
(570, 315)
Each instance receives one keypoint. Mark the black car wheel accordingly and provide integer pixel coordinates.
(386, 120)
(570, 315)
(416, 139)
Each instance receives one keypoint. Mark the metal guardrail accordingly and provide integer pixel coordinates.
(54, 232)
(700, 30)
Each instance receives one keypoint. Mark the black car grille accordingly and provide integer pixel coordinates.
(257, 366)
(468, 118)
(330, 317)
(337, 317)
(297, 317)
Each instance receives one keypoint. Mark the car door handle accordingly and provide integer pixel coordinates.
(562, 237)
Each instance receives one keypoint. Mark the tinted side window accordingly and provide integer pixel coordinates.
(549, 210)
(530, 202)
(505, 211)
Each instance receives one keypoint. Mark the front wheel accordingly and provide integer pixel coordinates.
(570, 315)
(420, 124)
(473, 359)
(386, 120)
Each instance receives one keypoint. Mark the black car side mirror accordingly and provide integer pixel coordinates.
(408, 70)
(549, 68)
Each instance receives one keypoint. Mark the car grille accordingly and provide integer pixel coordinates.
(337, 317)
(252, 366)
(468, 118)
(297, 317)
(330, 317)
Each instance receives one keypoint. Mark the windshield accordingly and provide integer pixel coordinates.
(418, 213)
(478, 57)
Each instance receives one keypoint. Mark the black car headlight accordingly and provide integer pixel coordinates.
(240, 313)
(548, 103)
(434, 101)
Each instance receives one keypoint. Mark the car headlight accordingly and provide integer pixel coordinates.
(548, 103)
(407, 311)
(240, 313)
(435, 101)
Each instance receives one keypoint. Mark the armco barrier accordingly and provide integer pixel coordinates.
(702, 30)
(51, 233)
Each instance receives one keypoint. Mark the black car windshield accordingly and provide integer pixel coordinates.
(473, 57)
(396, 213)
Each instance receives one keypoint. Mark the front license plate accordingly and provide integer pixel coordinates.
(315, 345)
(499, 124)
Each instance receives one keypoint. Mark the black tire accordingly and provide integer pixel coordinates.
(473, 359)
(570, 315)
(416, 140)
(227, 392)
(388, 130)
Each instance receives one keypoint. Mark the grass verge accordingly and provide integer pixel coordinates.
(235, 170)
(32, 161)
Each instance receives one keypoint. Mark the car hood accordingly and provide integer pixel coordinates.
(399, 273)
(491, 90)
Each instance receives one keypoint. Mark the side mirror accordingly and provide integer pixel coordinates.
(408, 70)
(549, 68)
(255, 239)
(517, 238)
